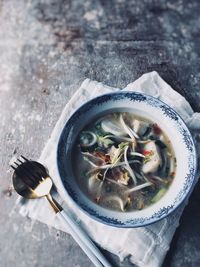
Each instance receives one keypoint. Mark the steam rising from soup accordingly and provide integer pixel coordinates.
(124, 162)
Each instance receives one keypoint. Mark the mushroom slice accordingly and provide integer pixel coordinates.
(152, 158)
(111, 125)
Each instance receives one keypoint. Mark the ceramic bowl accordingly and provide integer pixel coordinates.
(155, 110)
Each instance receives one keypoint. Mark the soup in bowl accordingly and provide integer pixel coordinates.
(124, 162)
(127, 159)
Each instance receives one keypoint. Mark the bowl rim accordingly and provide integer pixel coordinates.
(65, 194)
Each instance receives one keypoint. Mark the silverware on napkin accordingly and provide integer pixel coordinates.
(31, 180)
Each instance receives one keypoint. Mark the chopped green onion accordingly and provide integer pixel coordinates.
(159, 195)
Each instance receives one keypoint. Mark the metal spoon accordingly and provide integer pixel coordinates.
(31, 180)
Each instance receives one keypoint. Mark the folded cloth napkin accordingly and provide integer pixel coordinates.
(145, 246)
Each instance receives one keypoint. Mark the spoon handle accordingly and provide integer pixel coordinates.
(86, 243)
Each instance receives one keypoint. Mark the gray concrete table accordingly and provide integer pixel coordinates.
(47, 48)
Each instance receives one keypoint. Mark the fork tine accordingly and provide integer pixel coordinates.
(24, 158)
(27, 174)
(20, 161)
(20, 172)
(13, 167)
(26, 170)
(30, 173)
(35, 166)
(40, 170)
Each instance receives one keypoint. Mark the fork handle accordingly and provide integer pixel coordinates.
(86, 243)
(79, 235)
(83, 246)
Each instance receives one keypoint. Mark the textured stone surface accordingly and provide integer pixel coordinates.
(46, 49)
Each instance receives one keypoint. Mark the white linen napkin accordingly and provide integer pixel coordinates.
(145, 246)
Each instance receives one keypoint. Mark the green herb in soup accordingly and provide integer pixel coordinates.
(124, 162)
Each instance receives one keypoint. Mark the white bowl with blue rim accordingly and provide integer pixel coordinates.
(153, 109)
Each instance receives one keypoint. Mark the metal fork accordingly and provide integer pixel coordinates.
(31, 180)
